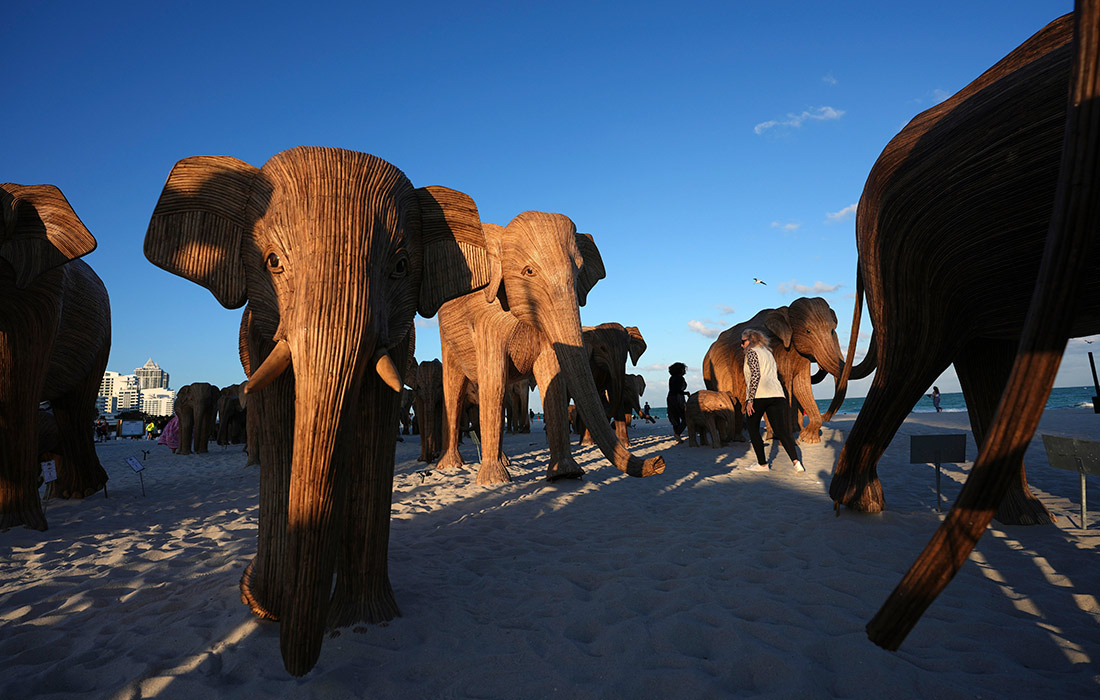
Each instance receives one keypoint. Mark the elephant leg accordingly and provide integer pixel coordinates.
(804, 397)
(74, 412)
(490, 387)
(454, 392)
(692, 426)
(187, 428)
(22, 376)
(622, 430)
(555, 411)
(983, 368)
(892, 395)
(712, 432)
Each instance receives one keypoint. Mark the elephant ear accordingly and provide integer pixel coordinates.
(40, 231)
(591, 268)
(637, 344)
(494, 244)
(411, 377)
(639, 383)
(778, 322)
(207, 205)
(454, 261)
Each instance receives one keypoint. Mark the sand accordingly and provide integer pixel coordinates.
(704, 582)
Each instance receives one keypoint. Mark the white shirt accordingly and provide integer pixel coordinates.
(761, 377)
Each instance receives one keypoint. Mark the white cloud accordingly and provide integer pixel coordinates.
(829, 79)
(786, 227)
(725, 310)
(426, 322)
(797, 120)
(655, 367)
(842, 215)
(939, 96)
(817, 288)
(703, 329)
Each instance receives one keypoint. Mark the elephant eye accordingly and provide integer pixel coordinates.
(400, 268)
(528, 271)
(273, 263)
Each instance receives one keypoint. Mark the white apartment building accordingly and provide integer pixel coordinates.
(151, 376)
(144, 390)
(158, 402)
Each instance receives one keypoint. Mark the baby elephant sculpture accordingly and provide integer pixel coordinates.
(710, 415)
(55, 336)
(427, 384)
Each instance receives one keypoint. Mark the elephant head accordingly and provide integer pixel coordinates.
(40, 231)
(534, 263)
(808, 326)
(334, 251)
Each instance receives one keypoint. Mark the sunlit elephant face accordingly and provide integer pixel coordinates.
(545, 267)
(808, 326)
(334, 249)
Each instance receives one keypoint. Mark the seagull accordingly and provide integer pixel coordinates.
(759, 281)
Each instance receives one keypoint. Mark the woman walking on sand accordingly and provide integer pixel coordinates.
(764, 396)
(677, 390)
(935, 395)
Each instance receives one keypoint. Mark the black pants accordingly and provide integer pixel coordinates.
(773, 408)
(676, 415)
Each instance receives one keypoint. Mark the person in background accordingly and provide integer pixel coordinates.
(936, 398)
(764, 396)
(677, 391)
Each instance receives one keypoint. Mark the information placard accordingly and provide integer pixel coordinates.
(132, 428)
(135, 464)
(49, 471)
(937, 449)
(1072, 454)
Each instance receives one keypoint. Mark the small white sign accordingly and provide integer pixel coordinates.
(135, 464)
(49, 471)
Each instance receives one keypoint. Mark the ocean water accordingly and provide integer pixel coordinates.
(1061, 397)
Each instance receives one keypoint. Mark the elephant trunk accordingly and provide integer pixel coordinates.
(575, 367)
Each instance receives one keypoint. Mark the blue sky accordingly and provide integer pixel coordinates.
(702, 144)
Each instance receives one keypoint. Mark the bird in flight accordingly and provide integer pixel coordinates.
(759, 281)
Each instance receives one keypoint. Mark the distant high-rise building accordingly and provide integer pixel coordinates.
(158, 402)
(123, 388)
(151, 376)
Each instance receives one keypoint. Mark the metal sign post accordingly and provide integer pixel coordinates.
(938, 450)
(137, 467)
(1071, 454)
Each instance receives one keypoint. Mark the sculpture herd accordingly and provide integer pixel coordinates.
(332, 252)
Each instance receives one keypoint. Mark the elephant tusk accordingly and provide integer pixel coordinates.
(386, 370)
(275, 364)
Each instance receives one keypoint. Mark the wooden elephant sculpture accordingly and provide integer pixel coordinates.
(55, 337)
(526, 323)
(710, 416)
(950, 231)
(408, 398)
(1067, 269)
(427, 384)
(517, 406)
(802, 333)
(334, 252)
(232, 415)
(609, 346)
(197, 407)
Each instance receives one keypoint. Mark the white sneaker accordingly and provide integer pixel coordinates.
(798, 466)
(756, 468)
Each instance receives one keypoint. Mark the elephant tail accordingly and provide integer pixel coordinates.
(850, 371)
